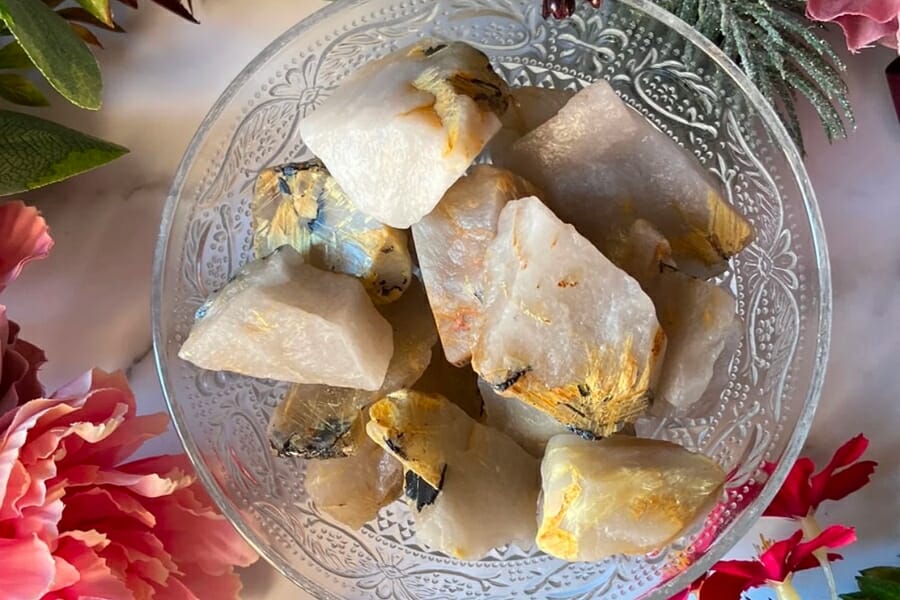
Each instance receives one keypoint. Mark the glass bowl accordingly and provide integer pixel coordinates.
(662, 68)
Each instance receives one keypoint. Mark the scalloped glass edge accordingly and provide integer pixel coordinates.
(737, 529)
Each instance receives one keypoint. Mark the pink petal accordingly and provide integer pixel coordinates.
(27, 568)
(64, 575)
(125, 440)
(102, 507)
(24, 236)
(881, 11)
(224, 586)
(96, 579)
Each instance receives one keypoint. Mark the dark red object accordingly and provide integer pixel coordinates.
(802, 492)
(560, 9)
(730, 578)
(893, 79)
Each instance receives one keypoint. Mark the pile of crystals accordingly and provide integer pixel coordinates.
(477, 340)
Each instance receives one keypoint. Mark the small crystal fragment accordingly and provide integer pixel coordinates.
(564, 329)
(282, 319)
(451, 242)
(620, 495)
(301, 205)
(315, 421)
(526, 425)
(353, 489)
(699, 318)
(472, 488)
(603, 165)
(398, 132)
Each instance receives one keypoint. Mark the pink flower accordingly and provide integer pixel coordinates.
(19, 364)
(24, 236)
(865, 22)
(731, 578)
(75, 522)
(802, 492)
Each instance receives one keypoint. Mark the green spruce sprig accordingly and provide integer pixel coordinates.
(782, 53)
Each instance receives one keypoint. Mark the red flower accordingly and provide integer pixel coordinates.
(23, 237)
(802, 491)
(730, 578)
(19, 364)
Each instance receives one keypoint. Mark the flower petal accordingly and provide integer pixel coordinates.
(724, 586)
(881, 11)
(851, 479)
(749, 570)
(96, 579)
(836, 536)
(28, 568)
(24, 236)
(793, 499)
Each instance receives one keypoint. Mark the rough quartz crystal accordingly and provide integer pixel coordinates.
(301, 205)
(317, 421)
(398, 132)
(620, 495)
(527, 426)
(564, 329)
(699, 318)
(472, 487)
(282, 319)
(603, 165)
(353, 489)
(529, 108)
(450, 245)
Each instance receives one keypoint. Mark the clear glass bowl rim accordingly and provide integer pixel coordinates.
(746, 520)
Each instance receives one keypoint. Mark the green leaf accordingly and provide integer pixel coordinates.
(79, 15)
(854, 596)
(86, 34)
(35, 152)
(13, 57)
(885, 573)
(18, 90)
(98, 8)
(55, 50)
(879, 589)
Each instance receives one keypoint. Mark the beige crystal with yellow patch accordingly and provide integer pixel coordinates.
(564, 329)
(450, 244)
(282, 319)
(472, 488)
(301, 205)
(398, 132)
(603, 165)
(620, 495)
(317, 421)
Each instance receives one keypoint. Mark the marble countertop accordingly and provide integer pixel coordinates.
(88, 304)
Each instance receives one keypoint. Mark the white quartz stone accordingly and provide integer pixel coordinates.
(398, 132)
(603, 165)
(526, 425)
(529, 107)
(472, 487)
(283, 319)
(564, 328)
(620, 495)
(451, 243)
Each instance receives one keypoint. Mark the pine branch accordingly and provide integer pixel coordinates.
(780, 51)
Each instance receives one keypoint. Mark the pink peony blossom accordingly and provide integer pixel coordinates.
(24, 236)
(865, 22)
(75, 522)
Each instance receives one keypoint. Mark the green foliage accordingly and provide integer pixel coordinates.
(877, 583)
(35, 152)
(18, 90)
(56, 51)
(780, 51)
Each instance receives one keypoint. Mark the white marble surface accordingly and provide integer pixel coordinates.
(89, 303)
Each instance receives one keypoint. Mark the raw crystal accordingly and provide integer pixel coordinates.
(353, 489)
(529, 108)
(282, 319)
(603, 165)
(526, 425)
(301, 205)
(472, 487)
(620, 495)
(398, 132)
(564, 329)
(699, 318)
(450, 245)
(316, 421)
